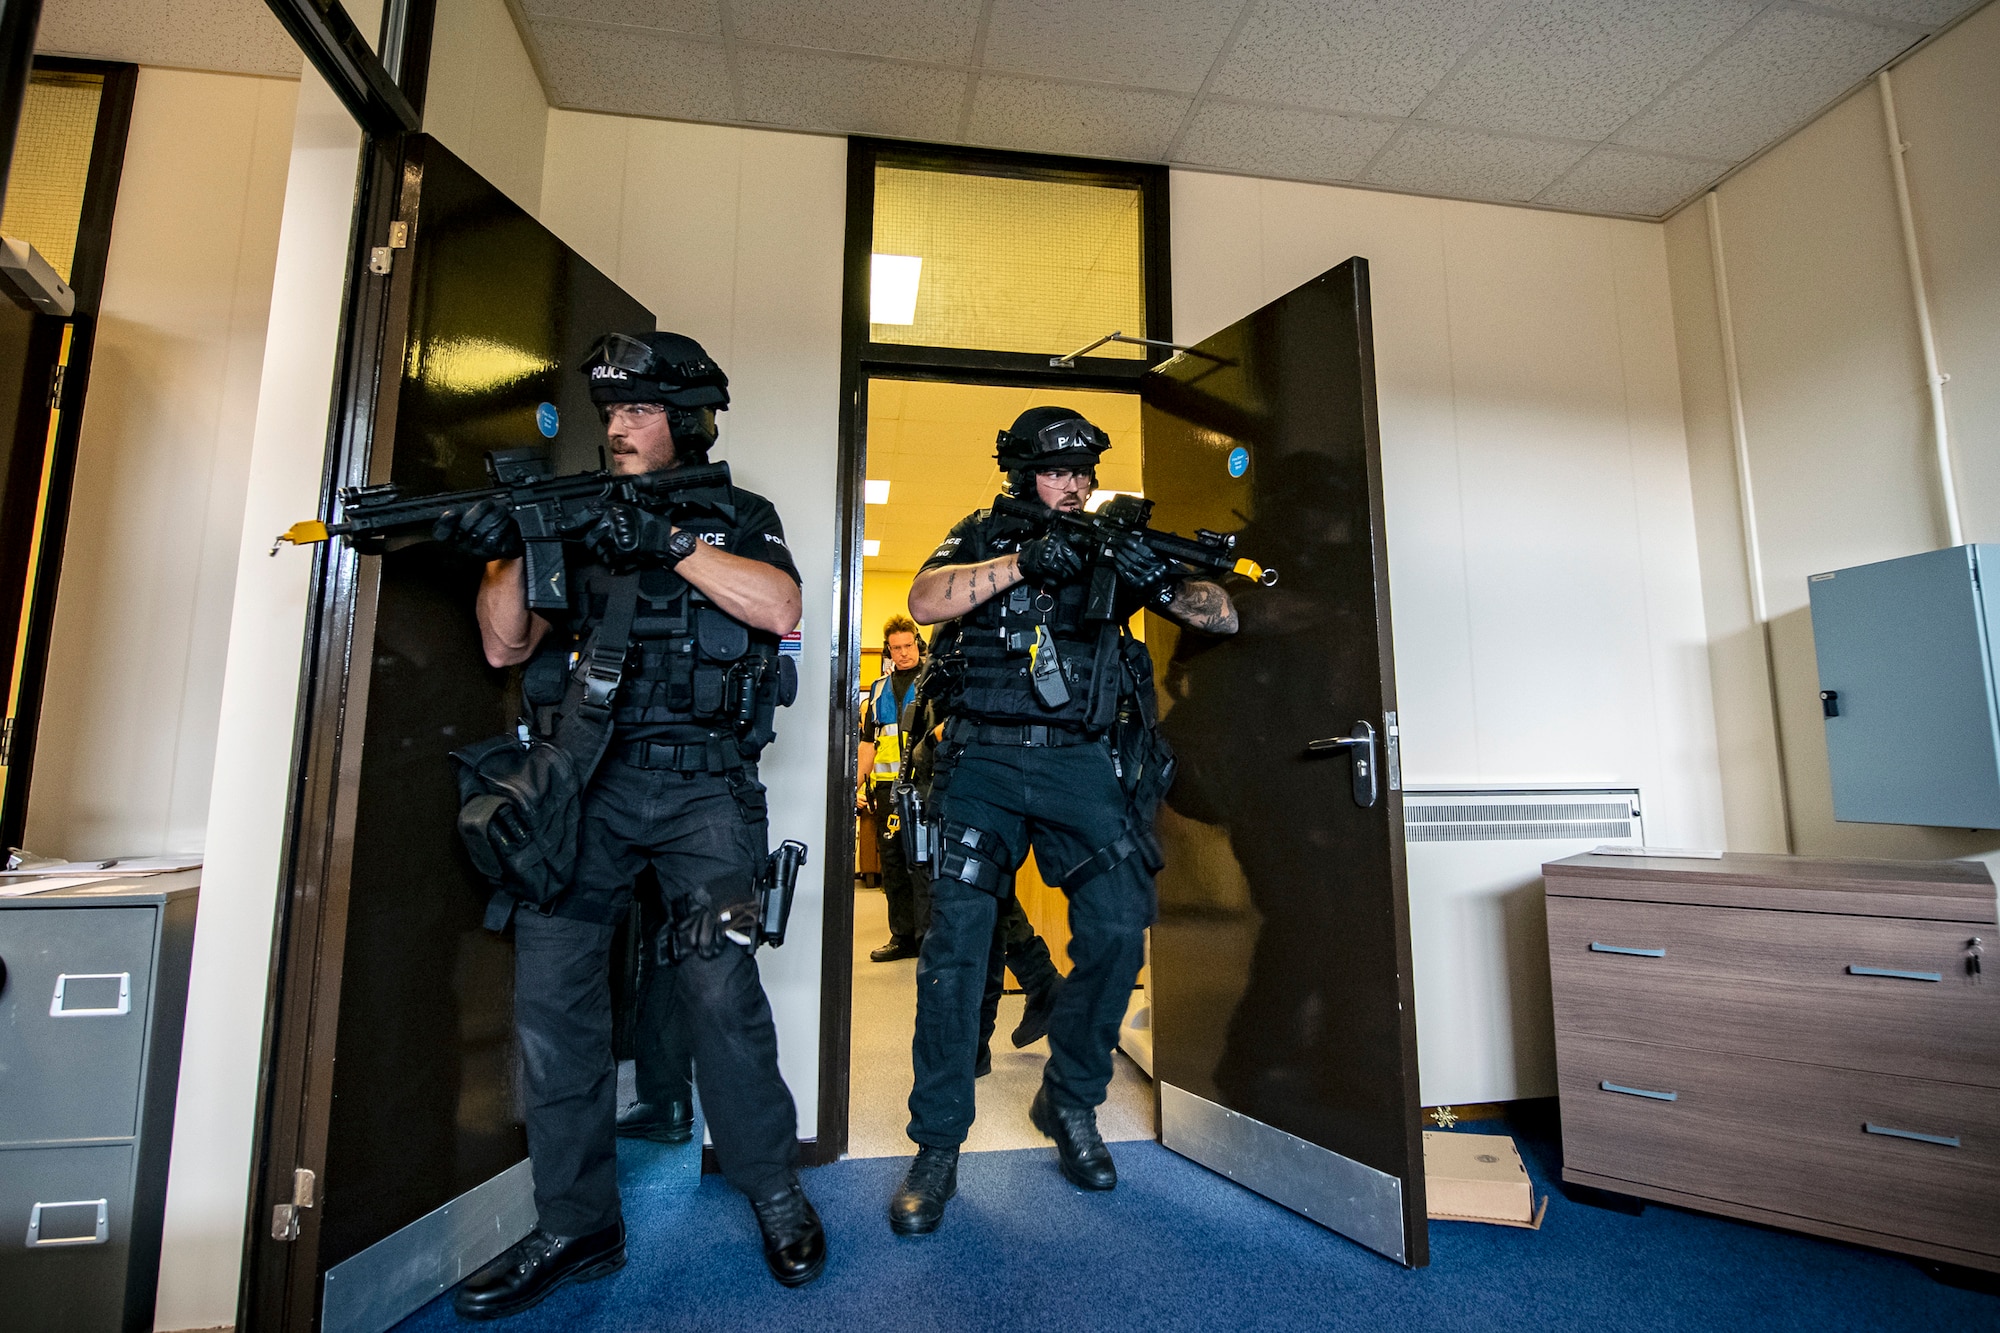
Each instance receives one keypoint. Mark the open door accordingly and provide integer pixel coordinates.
(1285, 1046)
(393, 1159)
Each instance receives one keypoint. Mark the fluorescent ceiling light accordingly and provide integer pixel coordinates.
(1097, 499)
(877, 492)
(869, 546)
(892, 288)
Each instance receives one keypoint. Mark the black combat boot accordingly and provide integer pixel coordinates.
(1084, 1158)
(898, 948)
(662, 1122)
(983, 1065)
(535, 1266)
(794, 1241)
(1035, 1013)
(918, 1206)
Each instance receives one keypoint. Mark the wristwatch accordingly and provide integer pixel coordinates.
(681, 545)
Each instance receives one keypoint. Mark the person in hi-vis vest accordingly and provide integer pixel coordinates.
(880, 759)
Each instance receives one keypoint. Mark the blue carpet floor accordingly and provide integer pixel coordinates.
(1177, 1248)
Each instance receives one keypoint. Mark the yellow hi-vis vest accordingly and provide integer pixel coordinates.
(887, 711)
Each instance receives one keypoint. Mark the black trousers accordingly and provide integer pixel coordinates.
(1016, 946)
(906, 886)
(705, 836)
(663, 1048)
(1066, 803)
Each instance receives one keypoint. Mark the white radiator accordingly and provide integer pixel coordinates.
(1478, 935)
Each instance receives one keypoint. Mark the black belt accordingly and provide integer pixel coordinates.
(717, 754)
(1026, 733)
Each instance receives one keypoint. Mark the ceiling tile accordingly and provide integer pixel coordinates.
(1581, 68)
(1095, 121)
(818, 90)
(1924, 13)
(1151, 43)
(1376, 56)
(1277, 141)
(1789, 65)
(1617, 180)
(700, 18)
(228, 36)
(633, 72)
(937, 30)
(1431, 159)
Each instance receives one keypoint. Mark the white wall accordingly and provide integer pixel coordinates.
(1547, 610)
(1836, 412)
(734, 237)
(483, 100)
(215, 1121)
(127, 734)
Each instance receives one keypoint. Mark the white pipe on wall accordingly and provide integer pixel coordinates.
(1935, 378)
(1753, 550)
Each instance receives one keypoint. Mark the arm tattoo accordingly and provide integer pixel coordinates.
(950, 582)
(1203, 606)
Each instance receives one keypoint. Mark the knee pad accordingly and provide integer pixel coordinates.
(974, 857)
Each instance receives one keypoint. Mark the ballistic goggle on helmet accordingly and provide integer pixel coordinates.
(668, 368)
(1050, 437)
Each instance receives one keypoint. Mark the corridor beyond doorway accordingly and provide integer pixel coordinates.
(929, 454)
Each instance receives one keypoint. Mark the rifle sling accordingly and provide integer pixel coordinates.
(584, 725)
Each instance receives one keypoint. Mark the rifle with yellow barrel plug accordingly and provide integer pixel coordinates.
(548, 508)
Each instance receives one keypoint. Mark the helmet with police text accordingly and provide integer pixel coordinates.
(1050, 437)
(668, 368)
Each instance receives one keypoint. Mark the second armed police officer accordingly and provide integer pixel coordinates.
(1037, 751)
(698, 600)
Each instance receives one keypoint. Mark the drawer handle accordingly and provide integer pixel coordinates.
(1941, 1140)
(1856, 970)
(1596, 947)
(60, 1007)
(99, 1234)
(1647, 1093)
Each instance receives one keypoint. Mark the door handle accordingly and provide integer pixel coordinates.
(1360, 747)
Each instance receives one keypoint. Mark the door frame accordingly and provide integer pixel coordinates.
(861, 360)
(93, 249)
(278, 1287)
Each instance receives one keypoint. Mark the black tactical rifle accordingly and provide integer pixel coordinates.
(548, 508)
(1126, 516)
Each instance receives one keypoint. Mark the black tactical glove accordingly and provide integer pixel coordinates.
(486, 530)
(1047, 561)
(1154, 579)
(626, 532)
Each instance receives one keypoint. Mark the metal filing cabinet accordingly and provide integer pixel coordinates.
(90, 1048)
(1908, 684)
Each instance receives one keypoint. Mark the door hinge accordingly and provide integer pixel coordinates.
(382, 258)
(56, 387)
(6, 742)
(285, 1216)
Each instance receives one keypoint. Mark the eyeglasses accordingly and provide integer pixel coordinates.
(631, 414)
(1070, 479)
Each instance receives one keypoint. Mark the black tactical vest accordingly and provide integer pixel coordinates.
(993, 642)
(692, 670)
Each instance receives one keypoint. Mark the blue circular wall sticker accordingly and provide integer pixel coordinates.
(550, 421)
(1239, 461)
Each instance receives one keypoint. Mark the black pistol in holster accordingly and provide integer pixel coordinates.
(912, 825)
(774, 893)
(703, 930)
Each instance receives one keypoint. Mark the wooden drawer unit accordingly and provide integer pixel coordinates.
(1797, 1042)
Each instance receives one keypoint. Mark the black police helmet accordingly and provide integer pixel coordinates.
(669, 368)
(1050, 437)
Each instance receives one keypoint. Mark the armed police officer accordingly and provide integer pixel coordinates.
(1049, 743)
(687, 610)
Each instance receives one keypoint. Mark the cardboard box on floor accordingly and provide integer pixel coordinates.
(1479, 1178)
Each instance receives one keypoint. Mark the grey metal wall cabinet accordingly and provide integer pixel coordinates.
(91, 1012)
(1907, 682)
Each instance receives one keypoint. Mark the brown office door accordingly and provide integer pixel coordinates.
(1284, 1026)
